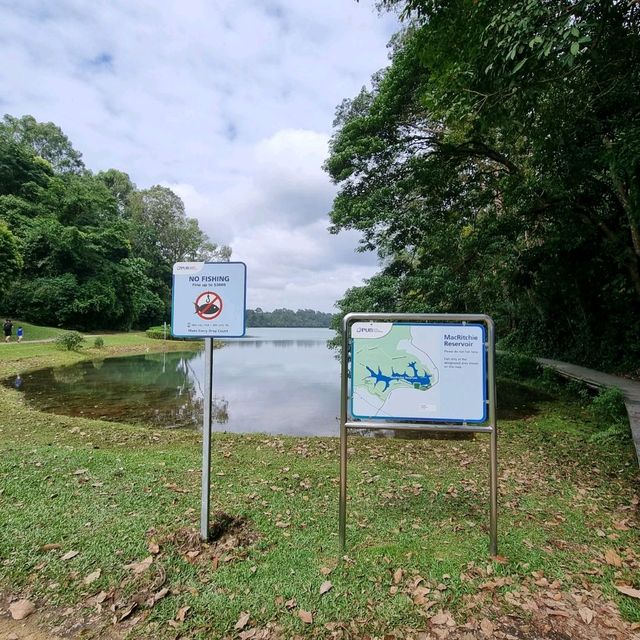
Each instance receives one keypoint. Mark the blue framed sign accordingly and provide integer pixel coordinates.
(209, 299)
(428, 372)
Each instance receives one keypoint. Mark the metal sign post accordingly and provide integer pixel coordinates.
(466, 347)
(208, 301)
(206, 438)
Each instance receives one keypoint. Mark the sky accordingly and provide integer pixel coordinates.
(228, 102)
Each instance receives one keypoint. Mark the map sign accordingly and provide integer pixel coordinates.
(418, 372)
(209, 299)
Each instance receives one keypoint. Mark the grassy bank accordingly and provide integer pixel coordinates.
(34, 332)
(126, 499)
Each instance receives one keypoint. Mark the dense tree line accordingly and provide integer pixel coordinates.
(85, 250)
(494, 166)
(288, 318)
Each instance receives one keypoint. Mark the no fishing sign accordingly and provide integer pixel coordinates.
(209, 299)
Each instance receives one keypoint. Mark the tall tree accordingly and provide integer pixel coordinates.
(46, 139)
(494, 166)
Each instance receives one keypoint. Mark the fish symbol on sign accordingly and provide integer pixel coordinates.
(206, 307)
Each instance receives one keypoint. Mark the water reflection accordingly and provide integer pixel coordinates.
(278, 381)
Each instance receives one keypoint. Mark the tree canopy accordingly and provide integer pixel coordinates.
(495, 167)
(82, 250)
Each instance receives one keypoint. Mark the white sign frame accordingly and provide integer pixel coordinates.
(375, 330)
(226, 283)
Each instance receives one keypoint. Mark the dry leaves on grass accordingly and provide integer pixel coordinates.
(443, 618)
(182, 614)
(612, 558)
(139, 567)
(92, 577)
(242, 621)
(325, 586)
(69, 555)
(628, 591)
(305, 616)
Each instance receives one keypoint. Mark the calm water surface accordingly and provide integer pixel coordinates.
(283, 381)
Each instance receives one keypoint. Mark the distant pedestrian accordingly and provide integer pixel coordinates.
(8, 328)
(19, 334)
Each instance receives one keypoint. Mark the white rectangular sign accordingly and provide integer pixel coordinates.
(209, 299)
(419, 371)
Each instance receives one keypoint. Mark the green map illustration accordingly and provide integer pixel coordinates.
(384, 364)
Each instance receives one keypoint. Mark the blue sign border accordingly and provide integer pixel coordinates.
(244, 302)
(390, 419)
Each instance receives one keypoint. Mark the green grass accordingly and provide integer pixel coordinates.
(107, 490)
(34, 332)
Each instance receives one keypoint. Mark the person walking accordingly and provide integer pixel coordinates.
(8, 328)
(19, 334)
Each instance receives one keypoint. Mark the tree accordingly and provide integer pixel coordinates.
(163, 233)
(121, 187)
(494, 166)
(46, 139)
(10, 258)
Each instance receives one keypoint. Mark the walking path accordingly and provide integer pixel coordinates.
(630, 389)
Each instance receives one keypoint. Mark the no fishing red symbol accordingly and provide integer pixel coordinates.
(208, 305)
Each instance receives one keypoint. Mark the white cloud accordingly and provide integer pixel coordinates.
(229, 103)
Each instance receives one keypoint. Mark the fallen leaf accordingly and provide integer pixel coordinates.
(628, 591)
(500, 560)
(487, 627)
(69, 555)
(242, 621)
(128, 611)
(586, 614)
(21, 609)
(290, 604)
(443, 617)
(182, 613)
(79, 472)
(154, 548)
(397, 576)
(325, 571)
(305, 616)
(139, 567)
(325, 586)
(92, 577)
(50, 547)
(158, 596)
(612, 558)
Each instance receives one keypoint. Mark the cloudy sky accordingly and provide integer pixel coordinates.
(229, 102)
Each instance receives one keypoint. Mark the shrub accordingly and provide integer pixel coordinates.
(98, 343)
(157, 333)
(70, 340)
(516, 366)
(609, 406)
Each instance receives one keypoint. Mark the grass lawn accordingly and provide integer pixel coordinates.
(125, 500)
(34, 332)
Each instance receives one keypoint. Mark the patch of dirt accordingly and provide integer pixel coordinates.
(230, 538)
(44, 626)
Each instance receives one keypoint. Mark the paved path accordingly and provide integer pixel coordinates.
(630, 388)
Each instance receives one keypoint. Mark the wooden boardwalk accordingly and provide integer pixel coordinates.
(630, 389)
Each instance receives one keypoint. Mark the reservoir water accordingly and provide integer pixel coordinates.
(279, 381)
